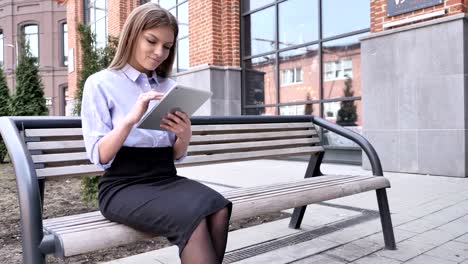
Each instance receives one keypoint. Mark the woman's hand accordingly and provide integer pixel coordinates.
(141, 105)
(178, 123)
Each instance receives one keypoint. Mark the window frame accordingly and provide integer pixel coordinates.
(63, 58)
(244, 14)
(21, 29)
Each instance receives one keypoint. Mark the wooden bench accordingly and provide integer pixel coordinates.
(45, 148)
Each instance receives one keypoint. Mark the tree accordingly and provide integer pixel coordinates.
(29, 97)
(90, 60)
(4, 109)
(94, 60)
(309, 109)
(347, 115)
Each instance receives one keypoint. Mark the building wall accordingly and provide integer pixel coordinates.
(214, 41)
(48, 15)
(379, 15)
(414, 90)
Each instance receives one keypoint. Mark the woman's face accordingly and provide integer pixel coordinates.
(151, 49)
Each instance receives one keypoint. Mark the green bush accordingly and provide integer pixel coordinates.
(93, 60)
(4, 109)
(29, 97)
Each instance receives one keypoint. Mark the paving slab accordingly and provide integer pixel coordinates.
(430, 216)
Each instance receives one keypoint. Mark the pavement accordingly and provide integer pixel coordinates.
(429, 214)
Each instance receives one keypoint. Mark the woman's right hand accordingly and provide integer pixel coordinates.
(141, 105)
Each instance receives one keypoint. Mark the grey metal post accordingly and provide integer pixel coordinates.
(28, 192)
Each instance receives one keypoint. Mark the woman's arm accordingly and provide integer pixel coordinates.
(110, 144)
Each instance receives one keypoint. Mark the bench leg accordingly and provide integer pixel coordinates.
(386, 219)
(41, 183)
(313, 169)
(296, 218)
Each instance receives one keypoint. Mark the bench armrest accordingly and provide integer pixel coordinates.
(355, 137)
(27, 186)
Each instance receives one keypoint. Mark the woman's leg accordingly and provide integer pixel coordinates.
(218, 225)
(199, 248)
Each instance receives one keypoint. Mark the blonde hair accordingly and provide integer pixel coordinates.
(147, 16)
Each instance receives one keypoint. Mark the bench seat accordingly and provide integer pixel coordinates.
(75, 233)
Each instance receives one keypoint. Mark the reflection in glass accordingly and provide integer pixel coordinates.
(31, 36)
(299, 28)
(183, 54)
(299, 74)
(342, 67)
(339, 16)
(261, 111)
(180, 10)
(254, 4)
(344, 113)
(1, 49)
(260, 32)
(300, 109)
(183, 20)
(165, 3)
(260, 81)
(97, 19)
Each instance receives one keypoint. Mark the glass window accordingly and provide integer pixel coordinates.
(298, 28)
(345, 113)
(31, 36)
(260, 32)
(287, 44)
(64, 44)
(1, 49)
(97, 19)
(299, 74)
(179, 8)
(261, 111)
(182, 16)
(342, 67)
(260, 81)
(340, 16)
(183, 56)
(254, 4)
(167, 4)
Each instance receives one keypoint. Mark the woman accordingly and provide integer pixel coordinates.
(140, 187)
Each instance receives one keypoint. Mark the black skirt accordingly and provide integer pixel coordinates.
(142, 190)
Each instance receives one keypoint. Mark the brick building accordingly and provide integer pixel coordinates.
(44, 24)
(403, 59)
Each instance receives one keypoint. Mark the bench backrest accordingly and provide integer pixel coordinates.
(59, 152)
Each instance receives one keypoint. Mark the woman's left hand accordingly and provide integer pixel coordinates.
(180, 124)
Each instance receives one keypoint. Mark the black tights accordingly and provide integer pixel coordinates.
(207, 243)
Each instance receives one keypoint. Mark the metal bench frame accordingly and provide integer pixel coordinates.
(30, 188)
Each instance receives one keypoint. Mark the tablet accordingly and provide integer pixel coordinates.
(178, 98)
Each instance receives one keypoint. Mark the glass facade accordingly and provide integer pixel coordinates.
(96, 18)
(303, 57)
(179, 8)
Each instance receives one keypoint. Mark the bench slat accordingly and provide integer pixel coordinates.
(226, 147)
(240, 137)
(93, 170)
(235, 128)
(77, 240)
(77, 156)
(79, 144)
(239, 156)
(61, 132)
(52, 145)
(70, 171)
